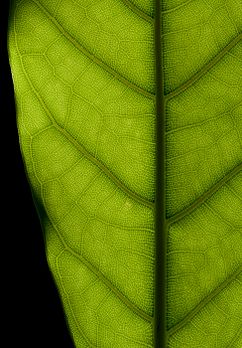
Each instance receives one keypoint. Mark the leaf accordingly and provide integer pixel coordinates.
(91, 89)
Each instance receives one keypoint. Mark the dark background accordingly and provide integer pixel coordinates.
(30, 308)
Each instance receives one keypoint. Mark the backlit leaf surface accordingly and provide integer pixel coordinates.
(85, 87)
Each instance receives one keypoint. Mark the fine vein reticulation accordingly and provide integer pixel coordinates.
(211, 240)
(106, 281)
(88, 155)
(94, 58)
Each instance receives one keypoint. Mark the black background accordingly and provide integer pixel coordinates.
(30, 308)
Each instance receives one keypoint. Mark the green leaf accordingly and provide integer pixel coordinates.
(95, 100)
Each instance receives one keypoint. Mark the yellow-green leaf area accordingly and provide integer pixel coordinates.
(86, 98)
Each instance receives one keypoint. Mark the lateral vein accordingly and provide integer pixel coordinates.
(200, 200)
(78, 146)
(204, 69)
(104, 169)
(93, 58)
(88, 155)
(204, 302)
(104, 279)
(138, 11)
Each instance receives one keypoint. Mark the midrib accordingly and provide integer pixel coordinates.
(160, 228)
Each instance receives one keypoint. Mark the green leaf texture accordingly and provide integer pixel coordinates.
(85, 86)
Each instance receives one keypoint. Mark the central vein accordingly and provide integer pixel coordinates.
(160, 252)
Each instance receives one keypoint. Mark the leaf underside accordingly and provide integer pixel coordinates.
(85, 89)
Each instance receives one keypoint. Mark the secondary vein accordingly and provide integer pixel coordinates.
(204, 302)
(134, 308)
(93, 58)
(98, 273)
(200, 200)
(100, 165)
(138, 11)
(204, 69)
(133, 195)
